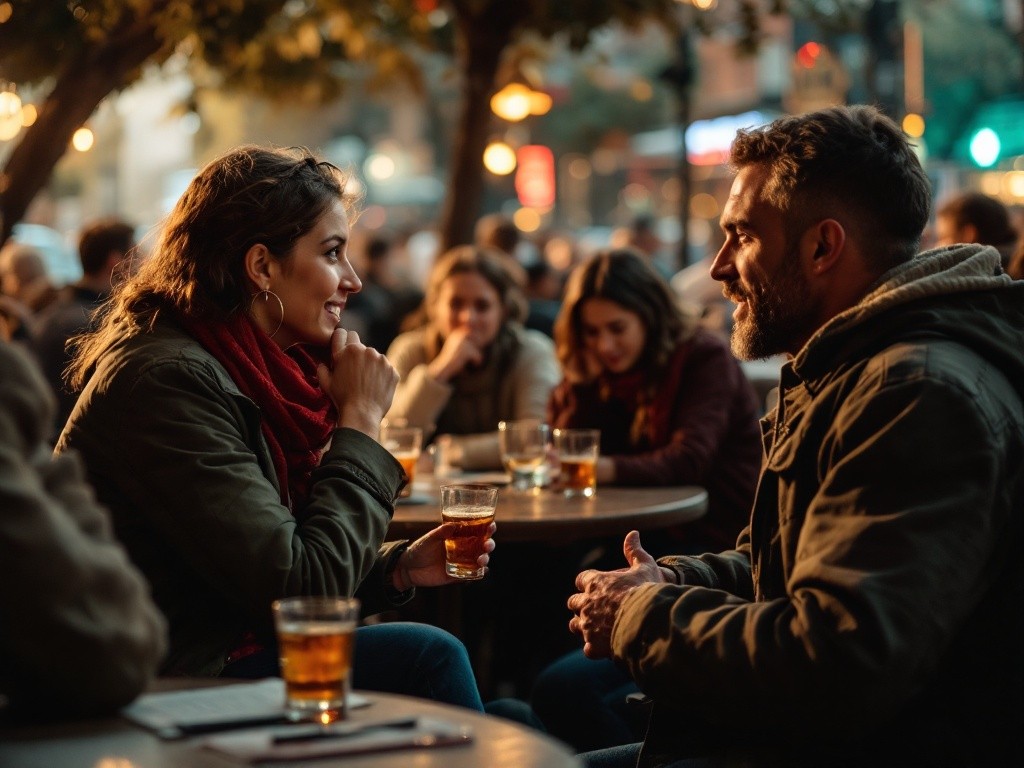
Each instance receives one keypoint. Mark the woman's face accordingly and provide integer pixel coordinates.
(313, 283)
(467, 300)
(612, 334)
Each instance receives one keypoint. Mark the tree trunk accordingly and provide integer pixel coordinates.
(482, 40)
(79, 89)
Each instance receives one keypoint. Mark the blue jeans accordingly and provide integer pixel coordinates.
(398, 657)
(583, 702)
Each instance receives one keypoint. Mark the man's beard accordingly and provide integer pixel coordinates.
(779, 312)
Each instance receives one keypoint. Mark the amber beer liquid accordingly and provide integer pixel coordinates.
(316, 661)
(315, 641)
(466, 544)
(579, 475)
(408, 462)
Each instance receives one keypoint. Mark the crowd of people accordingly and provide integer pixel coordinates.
(198, 435)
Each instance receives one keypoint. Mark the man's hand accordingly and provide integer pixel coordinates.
(601, 593)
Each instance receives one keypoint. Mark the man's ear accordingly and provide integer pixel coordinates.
(823, 243)
(257, 263)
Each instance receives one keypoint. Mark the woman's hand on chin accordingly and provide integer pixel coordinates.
(456, 354)
(361, 382)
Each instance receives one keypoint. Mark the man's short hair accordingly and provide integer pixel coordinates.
(497, 231)
(100, 238)
(844, 160)
(987, 215)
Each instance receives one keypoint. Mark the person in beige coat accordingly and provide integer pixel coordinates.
(473, 364)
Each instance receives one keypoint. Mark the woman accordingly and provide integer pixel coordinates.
(230, 426)
(473, 364)
(672, 403)
(674, 408)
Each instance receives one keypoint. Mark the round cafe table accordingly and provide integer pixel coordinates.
(548, 516)
(113, 742)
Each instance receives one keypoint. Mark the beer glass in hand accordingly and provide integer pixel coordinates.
(469, 509)
(523, 449)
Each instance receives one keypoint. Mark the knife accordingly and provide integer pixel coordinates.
(342, 730)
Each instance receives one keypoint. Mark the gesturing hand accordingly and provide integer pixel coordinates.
(601, 593)
(422, 564)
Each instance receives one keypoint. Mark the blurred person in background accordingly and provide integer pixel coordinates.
(230, 425)
(79, 634)
(25, 289)
(544, 295)
(379, 308)
(103, 247)
(674, 408)
(473, 364)
(671, 401)
(972, 217)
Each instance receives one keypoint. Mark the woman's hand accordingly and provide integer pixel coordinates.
(361, 383)
(457, 352)
(422, 564)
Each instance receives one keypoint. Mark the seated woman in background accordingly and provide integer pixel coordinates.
(674, 408)
(473, 364)
(672, 403)
(230, 426)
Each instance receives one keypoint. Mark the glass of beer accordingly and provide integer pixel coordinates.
(316, 637)
(405, 444)
(577, 451)
(471, 509)
(524, 447)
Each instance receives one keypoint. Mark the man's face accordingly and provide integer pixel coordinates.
(761, 270)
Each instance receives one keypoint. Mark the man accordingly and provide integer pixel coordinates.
(972, 217)
(103, 248)
(25, 289)
(79, 634)
(871, 611)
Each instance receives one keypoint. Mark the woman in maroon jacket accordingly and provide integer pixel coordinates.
(674, 408)
(672, 403)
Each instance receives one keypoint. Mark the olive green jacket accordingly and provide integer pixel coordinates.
(176, 452)
(871, 612)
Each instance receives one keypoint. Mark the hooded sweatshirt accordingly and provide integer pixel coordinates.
(871, 613)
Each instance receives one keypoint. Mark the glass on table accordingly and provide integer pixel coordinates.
(405, 444)
(524, 446)
(470, 511)
(577, 451)
(316, 639)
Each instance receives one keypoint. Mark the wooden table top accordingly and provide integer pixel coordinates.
(114, 742)
(549, 516)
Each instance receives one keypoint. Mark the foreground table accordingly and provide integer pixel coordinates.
(548, 516)
(116, 743)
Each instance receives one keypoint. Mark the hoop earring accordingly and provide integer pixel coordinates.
(266, 294)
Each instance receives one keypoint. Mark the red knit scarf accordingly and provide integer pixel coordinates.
(652, 397)
(298, 417)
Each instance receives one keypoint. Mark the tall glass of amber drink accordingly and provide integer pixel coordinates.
(469, 509)
(405, 444)
(577, 451)
(316, 637)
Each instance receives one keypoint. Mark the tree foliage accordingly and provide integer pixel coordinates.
(80, 51)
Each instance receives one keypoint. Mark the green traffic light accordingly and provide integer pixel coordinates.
(985, 147)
